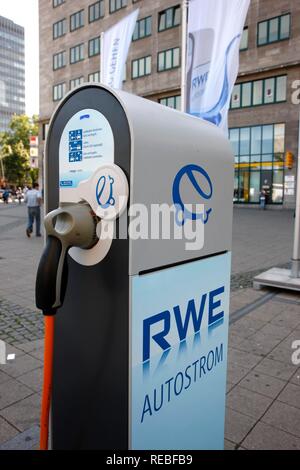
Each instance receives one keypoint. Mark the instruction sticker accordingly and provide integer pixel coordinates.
(86, 143)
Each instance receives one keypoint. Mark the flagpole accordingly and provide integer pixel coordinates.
(185, 4)
(101, 56)
(295, 271)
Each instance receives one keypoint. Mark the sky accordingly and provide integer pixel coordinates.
(25, 13)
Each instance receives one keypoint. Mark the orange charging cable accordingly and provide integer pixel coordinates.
(47, 385)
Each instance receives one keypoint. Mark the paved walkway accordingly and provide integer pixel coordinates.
(263, 400)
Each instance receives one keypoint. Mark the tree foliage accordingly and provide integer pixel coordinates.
(14, 150)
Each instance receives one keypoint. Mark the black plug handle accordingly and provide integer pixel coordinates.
(51, 277)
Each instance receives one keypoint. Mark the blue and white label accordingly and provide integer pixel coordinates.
(179, 356)
(86, 143)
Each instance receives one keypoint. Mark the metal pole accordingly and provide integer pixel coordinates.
(101, 57)
(185, 4)
(295, 271)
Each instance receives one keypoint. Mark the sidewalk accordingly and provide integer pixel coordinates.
(263, 399)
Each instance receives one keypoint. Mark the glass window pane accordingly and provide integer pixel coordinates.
(244, 39)
(176, 57)
(169, 18)
(267, 139)
(142, 28)
(257, 92)
(177, 16)
(234, 139)
(277, 186)
(255, 140)
(244, 185)
(141, 67)
(236, 96)
(178, 102)
(244, 159)
(246, 94)
(148, 65)
(168, 59)
(285, 27)
(245, 141)
(162, 21)
(274, 29)
(148, 26)
(262, 33)
(269, 90)
(254, 186)
(161, 61)
(136, 31)
(279, 138)
(280, 88)
(134, 69)
(236, 186)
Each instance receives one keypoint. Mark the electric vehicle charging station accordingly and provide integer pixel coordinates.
(141, 324)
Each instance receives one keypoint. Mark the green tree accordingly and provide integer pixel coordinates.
(15, 145)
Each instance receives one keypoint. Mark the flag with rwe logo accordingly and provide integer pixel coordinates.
(115, 44)
(215, 28)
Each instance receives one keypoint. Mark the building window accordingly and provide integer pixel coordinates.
(244, 39)
(76, 53)
(274, 29)
(59, 28)
(259, 92)
(259, 162)
(96, 11)
(56, 3)
(59, 60)
(141, 67)
(168, 59)
(59, 91)
(172, 101)
(76, 82)
(169, 18)
(94, 46)
(77, 20)
(115, 5)
(94, 77)
(142, 28)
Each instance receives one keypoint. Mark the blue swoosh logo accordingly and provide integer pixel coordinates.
(214, 114)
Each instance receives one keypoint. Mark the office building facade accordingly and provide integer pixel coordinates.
(12, 71)
(264, 115)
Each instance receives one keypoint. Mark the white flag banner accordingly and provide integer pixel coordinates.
(114, 50)
(215, 28)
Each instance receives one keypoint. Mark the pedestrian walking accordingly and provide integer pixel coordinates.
(262, 199)
(5, 196)
(33, 199)
(19, 195)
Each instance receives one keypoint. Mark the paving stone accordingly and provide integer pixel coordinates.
(282, 353)
(235, 372)
(265, 437)
(228, 445)
(242, 358)
(27, 440)
(259, 344)
(264, 384)
(296, 378)
(11, 392)
(6, 431)
(284, 417)
(21, 365)
(24, 414)
(248, 402)
(4, 377)
(33, 379)
(288, 319)
(278, 332)
(237, 426)
(290, 395)
(276, 369)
